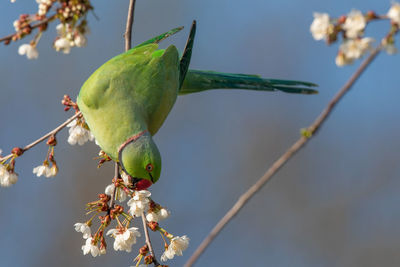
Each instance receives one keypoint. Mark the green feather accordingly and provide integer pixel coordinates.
(187, 55)
(198, 81)
(161, 37)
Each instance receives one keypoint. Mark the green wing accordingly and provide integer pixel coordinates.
(199, 80)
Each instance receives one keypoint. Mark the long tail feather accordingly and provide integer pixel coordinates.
(198, 81)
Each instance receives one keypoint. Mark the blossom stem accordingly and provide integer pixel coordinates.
(44, 137)
(280, 162)
(119, 222)
(162, 230)
(162, 236)
(139, 260)
(127, 217)
(148, 242)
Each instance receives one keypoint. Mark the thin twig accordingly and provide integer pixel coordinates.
(148, 242)
(129, 22)
(116, 176)
(44, 137)
(37, 25)
(312, 129)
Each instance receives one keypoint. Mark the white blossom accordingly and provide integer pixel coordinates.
(164, 213)
(16, 25)
(394, 13)
(84, 229)
(176, 247)
(341, 60)
(356, 48)
(44, 2)
(43, 6)
(125, 240)
(45, 170)
(139, 203)
(42, 10)
(121, 195)
(389, 47)
(89, 247)
(29, 50)
(63, 45)
(41, 170)
(60, 28)
(78, 134)
(157, 216)
(12, 1)
(7, 179)
(125, 177)
(321, 27)
(80, 40)
(355, 24)
(53, 171)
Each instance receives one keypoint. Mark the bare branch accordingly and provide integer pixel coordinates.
(310, 131)
(44, 137)
(129, 22)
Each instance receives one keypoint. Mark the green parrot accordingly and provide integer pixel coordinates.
(127, 99)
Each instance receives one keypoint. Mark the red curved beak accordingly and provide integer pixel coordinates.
(142, 184)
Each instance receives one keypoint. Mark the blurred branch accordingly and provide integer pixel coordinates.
(44, 137)
(37, 25)
(307, 134)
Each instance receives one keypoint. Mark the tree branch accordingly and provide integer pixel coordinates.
(310, 131)
(44, 137)
(37, 25)
(148, 242)
(129, 22)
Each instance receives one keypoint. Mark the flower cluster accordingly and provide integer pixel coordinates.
(71, 31)
(70, 36)
(352, 27)
(125, 236)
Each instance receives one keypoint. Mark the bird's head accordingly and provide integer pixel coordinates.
(139, 157)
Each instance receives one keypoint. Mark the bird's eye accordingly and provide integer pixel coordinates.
(149, 167)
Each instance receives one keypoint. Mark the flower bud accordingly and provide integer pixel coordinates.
(17, 151)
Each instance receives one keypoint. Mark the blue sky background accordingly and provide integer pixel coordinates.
(334, 204)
